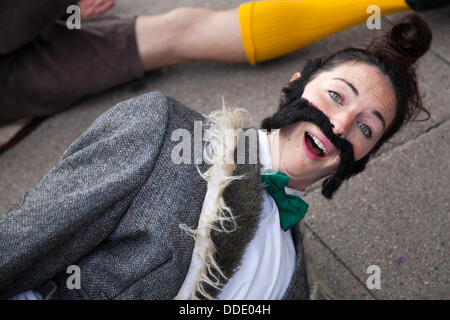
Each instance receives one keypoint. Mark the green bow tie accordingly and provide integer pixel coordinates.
(291, 208)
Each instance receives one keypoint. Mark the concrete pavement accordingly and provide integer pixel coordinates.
(395, 215)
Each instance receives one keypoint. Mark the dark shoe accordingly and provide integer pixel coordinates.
(423, 5)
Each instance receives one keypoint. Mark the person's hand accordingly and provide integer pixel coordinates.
(92, 8)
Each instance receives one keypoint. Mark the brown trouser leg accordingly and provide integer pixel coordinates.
(59, 66)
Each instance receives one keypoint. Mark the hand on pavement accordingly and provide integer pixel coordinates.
(92, 8)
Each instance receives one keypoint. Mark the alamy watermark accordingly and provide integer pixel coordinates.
(212, 146)
(374, 21)
(74, 280)
(74, 20)
(374, 280)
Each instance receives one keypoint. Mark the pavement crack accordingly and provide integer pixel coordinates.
(398, 145)
(436, 125)
(340, 261)
(418, 136)
(438, 55)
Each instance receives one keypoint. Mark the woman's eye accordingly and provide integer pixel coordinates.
(365, 130)
(335, 96)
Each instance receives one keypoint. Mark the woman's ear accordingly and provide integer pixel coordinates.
(295, 76)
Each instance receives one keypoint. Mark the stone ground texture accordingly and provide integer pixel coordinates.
(395, 215)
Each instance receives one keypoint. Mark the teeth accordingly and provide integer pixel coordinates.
(319, 144)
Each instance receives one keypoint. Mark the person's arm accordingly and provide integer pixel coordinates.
(82, 199)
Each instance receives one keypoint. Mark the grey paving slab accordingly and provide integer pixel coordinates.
(341, 281)
(396, 216)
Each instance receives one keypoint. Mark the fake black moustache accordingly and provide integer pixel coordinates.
(300, 109)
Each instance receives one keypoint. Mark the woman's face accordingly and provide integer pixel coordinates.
(360, 104)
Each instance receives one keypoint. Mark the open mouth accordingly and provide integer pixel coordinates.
(314, 147)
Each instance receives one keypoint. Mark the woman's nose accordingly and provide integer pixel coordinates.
(341, 124)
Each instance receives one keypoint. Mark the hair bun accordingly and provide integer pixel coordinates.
(409, 39)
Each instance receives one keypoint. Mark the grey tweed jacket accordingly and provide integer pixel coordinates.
(113, 206)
